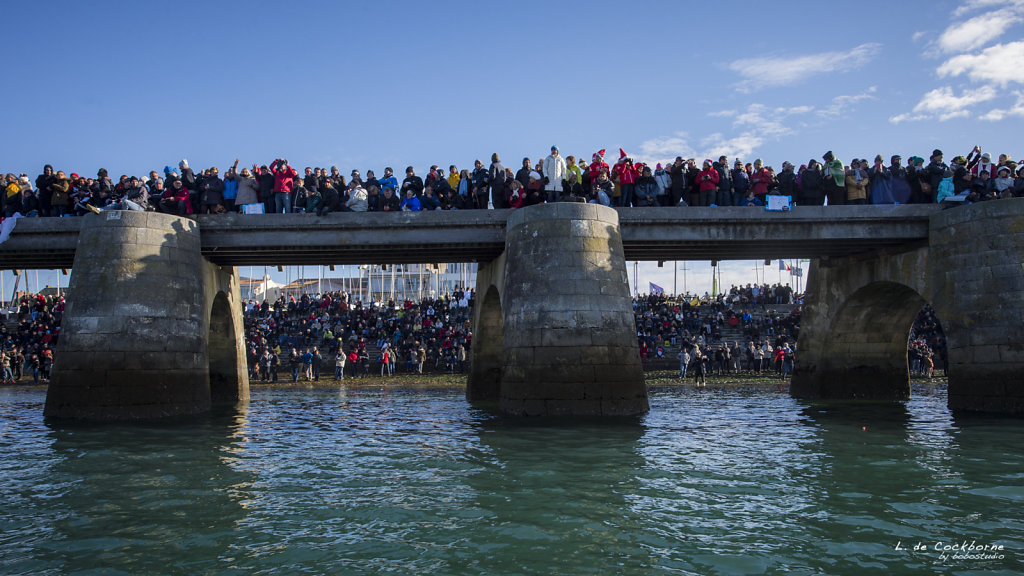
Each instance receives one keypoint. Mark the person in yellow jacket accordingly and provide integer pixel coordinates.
(572, 168)
(12, 196)
(857, 183)
(454, 177)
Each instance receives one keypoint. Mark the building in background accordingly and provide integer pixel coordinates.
(364, 282)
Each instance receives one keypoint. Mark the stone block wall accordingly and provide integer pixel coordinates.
(855, 324)
(486, 356)
(134, 333)
(977, 270)
(569, 336)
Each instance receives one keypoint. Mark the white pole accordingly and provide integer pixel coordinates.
(14, 292)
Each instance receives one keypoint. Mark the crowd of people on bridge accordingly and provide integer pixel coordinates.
(278, 187)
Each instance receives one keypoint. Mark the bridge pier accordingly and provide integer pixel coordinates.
(977, 274)
(859, 310)
(486, 354)
(568, 335)
(853, 333)
(151, 329)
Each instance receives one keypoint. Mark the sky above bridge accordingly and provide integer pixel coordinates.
(135, 86)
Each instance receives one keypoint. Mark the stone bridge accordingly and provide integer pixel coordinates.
(153, 324)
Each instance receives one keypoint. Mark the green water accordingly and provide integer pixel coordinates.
(335, 481)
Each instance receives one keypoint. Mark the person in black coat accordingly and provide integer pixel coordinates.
(330, 201)
(812, 188)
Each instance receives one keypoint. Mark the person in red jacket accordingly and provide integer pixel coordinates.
(760, 178)
(707, 179)
(597, 165)
(625, 173)
(175, 199)
(284, 179)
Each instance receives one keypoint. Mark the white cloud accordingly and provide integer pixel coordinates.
(844, 102)
(906, 117)
(944, 104)
(768, 122)
(978, 31)
(740, 146)
(771, 71)
(1000, 64)
(665, 150)
(972, 6)
(997, 114)
(975, 25)
(753, 126)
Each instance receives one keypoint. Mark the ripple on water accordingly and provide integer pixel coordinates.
(381, 481)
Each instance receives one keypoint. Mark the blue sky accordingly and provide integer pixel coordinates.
(134, 86)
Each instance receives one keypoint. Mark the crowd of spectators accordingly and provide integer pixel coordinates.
(732, 333)
(738, 332)
(927, 349)
(741, 333)
(297, 336)
(278, 187)
(26, 349)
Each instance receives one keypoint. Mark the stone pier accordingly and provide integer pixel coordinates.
(151, 329)
(976, 268)
(859, 310)
(569, 344)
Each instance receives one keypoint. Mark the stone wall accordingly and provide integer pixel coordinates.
(135, 329)
(856, 319)
(225, 329)
(977, 271)
(486, 357)
(859, 310)
(569, 336)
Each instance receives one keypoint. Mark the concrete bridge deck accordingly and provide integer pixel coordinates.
(649, 234)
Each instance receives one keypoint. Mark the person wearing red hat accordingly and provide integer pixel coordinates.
(625, 174)
(597, 165)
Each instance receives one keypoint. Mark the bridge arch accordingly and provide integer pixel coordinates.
(856, 323)
(866, 348)
(225, 383)
(486, 355)
(484, 383)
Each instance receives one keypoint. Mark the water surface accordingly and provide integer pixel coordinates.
(374, 481)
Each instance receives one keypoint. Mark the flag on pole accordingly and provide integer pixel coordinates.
(782, 266)
(655, 289)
